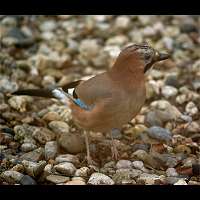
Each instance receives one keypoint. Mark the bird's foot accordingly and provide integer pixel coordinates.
(114, 152)
(90, 161)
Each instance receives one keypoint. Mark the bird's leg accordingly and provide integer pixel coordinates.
(88, 157)
(114, 150)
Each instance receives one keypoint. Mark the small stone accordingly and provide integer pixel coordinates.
(33, 169)
(50, 150)
(18, 168)
(89, 48)
(48, 169)
(11, 176)
(82, 172)
(180, 182)
(68, 158)
(116, 134)
(182, 149)
(149, 179)
(138, 164)
(172, 80)
(75, 182)
(144, 147)
(72, 143)
(48, 25)
(43, 135)
(59, 127)
(125, 175)
(18, 103)
(191, 108)
(169, 91)
(27, 180)
(100, 179)
(57, 179)
(51, 116)
(34, 156)
(8, 86)
(122, 23)
(124, 164)
(159, 133)
(26, 147)
(152, 119)
(66, 168)
(171, 172)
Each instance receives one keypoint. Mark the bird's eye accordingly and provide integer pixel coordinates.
(156, 54)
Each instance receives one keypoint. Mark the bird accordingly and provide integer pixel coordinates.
(111, 99)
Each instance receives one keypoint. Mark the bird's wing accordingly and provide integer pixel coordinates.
(94, 89)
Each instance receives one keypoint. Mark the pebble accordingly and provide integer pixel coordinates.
(124, 164)
(34, 156)
(59, 127)
(180, 182)
(82, 172)
(57, 179)
(100, 179)
(26, 147)
(65, 168)
(126, 175)
(18, 103)
(43, 135)
(171, 172)
(138, 164)
(191, 108)
(163, 112)
(159, 133)
(27, 180)
(169, 91)
(122, 23)
(48, 25)
(32, 168)
(8, 86)
(50, 150)
(11, 176)
(72, 143)
(149, 179)
(68, 158)
(89, 48)
(75, 182)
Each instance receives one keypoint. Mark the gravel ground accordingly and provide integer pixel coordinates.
(40, 144)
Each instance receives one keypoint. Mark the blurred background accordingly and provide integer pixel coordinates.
(47, 51)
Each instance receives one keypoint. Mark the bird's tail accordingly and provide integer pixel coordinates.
(35, 92)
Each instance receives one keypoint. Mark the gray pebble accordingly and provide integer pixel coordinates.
(159, 133)
(124, 164)
(33, 169)
(59, 127)
(50, 150)
(26, 147)
(100, 179)
(65, 168)
(169, 91)
(57, 179)
(27, 180)
(68, 158)
(11, 176)
(43, 135)
(171, 172)
(138, 164)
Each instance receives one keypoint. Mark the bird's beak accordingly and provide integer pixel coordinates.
(161, 56)
(158, 57)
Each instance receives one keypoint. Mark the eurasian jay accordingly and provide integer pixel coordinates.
(111, 99)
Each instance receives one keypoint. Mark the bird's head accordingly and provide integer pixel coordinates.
(141, 55)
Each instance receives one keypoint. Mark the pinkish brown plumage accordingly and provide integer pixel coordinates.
(115, 96)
